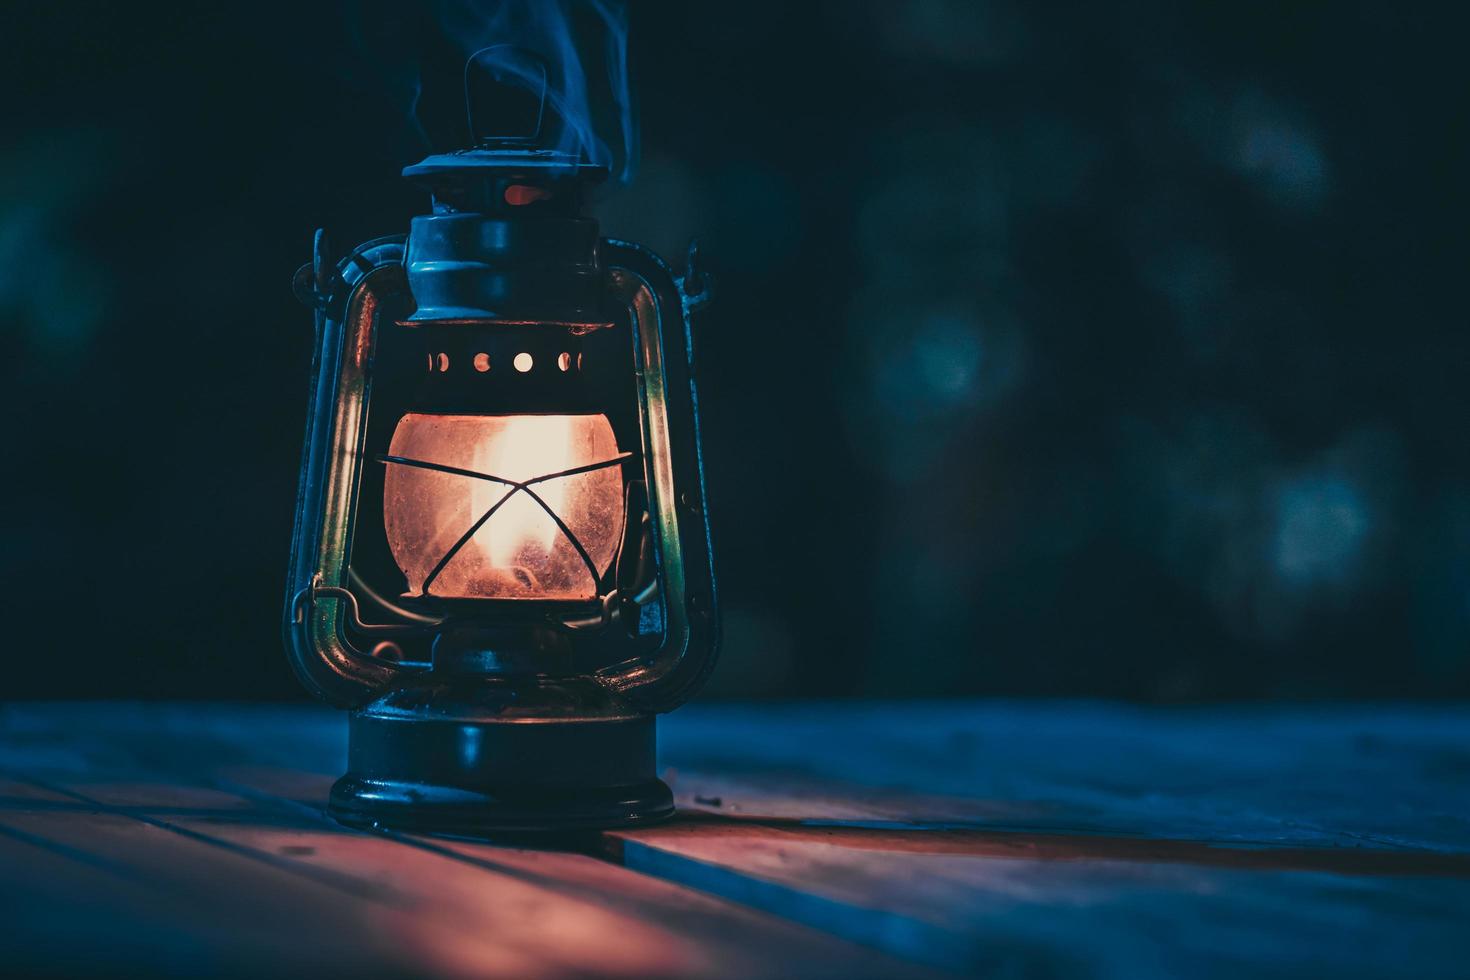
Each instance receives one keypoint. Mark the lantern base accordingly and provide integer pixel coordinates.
(428, 771)
(431, 809)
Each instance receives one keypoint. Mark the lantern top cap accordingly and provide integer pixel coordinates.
(506, 158)
(495, 152)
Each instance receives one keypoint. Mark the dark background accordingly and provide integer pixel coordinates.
(1084, 350)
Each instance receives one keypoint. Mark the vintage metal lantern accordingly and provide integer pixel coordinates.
(501, 560)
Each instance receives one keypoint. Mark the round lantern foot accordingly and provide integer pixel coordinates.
(427, 808)
(446, 768)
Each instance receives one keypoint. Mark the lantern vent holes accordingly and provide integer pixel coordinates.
(524, 362)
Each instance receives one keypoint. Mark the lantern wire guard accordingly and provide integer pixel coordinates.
(516, 486)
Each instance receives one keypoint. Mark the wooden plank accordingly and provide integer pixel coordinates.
(731, 940)
(203, 814)
(1086, 839)
(215, 908)
(1343, 776)
(69, 912)
(1018, 908)
(734, 941)
(1202, 843)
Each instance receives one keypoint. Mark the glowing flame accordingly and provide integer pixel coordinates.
(517, 551)
(533, 446)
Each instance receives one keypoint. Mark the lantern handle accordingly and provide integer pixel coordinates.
(469, 103)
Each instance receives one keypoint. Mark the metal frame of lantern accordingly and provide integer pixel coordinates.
(538, 714)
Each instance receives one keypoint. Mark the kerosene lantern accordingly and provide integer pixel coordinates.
(501, 560)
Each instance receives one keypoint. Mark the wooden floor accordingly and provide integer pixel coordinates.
(872, 840)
